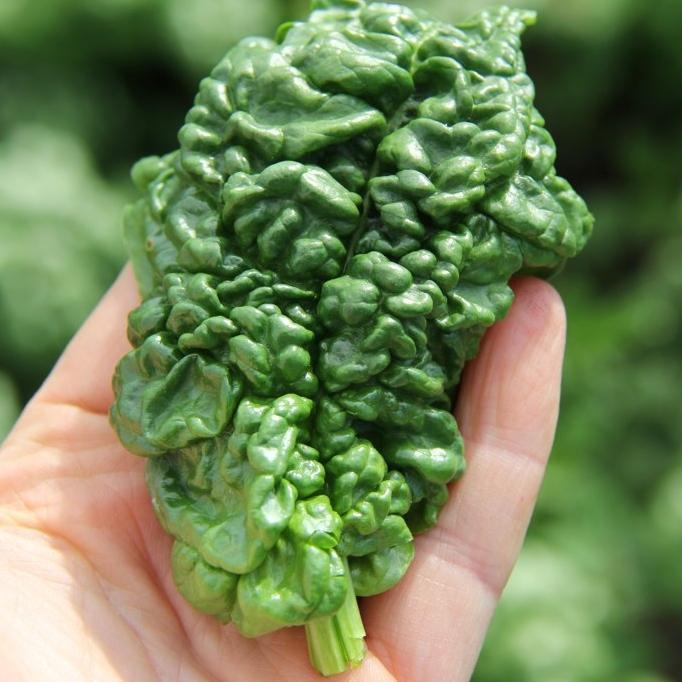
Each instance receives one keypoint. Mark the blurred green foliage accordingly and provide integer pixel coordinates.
(60, 245)
(9, 404)
(88, 87)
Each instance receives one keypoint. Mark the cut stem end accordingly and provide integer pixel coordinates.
(337, 643)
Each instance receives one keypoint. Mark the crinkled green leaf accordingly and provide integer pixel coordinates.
(319, 260)
(379, 571)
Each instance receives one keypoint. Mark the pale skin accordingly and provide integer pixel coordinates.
(85, 588)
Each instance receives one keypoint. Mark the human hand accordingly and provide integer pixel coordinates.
(85, 585)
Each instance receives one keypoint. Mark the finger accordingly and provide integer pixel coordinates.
(431, 625)
(82, 376)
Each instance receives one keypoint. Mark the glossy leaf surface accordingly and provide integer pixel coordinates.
(318, 261)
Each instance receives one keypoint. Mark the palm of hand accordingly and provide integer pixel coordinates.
(85, 585)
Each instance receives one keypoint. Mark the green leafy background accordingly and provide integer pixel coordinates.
(88, 87)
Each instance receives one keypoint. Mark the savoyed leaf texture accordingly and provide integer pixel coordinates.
(318, 261)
